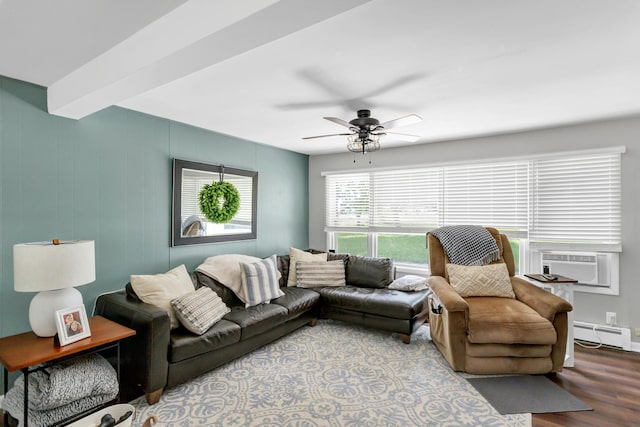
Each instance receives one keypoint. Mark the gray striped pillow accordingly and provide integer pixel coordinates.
(320, 274)
(260, 281)
(199, 310)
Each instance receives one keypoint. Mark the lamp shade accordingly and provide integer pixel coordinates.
(45, 266)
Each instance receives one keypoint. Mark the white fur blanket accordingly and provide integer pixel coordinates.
(226, 270)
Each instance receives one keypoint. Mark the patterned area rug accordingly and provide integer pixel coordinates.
(334, 374)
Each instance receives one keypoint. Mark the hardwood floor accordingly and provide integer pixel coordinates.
(608, 380)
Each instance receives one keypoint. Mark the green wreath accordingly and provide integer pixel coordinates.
(219, 202)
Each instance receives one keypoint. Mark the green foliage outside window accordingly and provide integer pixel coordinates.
(409, 248)
(405, 248)
(351, 243)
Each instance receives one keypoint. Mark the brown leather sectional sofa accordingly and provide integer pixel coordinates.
(158, 357)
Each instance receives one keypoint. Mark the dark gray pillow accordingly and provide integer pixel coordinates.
(369, 272)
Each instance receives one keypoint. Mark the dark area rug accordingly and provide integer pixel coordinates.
(526, 393)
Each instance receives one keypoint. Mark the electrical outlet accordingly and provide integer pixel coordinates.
(612, 318)
(637, 331)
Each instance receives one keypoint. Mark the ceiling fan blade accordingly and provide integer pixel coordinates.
(339, 121)
(325, 136)
(405, 136)
(402, 121)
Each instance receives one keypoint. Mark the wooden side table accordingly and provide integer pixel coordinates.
(563, 287)
(25, 351)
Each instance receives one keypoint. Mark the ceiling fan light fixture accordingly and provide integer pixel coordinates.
(357, 145)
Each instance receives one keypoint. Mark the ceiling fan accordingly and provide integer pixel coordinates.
(366, 131)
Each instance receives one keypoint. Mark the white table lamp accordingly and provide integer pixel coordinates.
(52, 269)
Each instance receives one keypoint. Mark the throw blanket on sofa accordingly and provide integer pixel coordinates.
(63, 390)
(226, 270)
(468, 244)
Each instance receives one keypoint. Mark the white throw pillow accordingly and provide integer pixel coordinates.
(199, 310)
(260, 281)
(296, 255)
(409, 283)
(481, 281)
(320, 274)
(160, 289)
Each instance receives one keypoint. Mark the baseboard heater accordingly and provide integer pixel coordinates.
(609, 335)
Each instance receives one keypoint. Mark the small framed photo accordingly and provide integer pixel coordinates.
(72, 324)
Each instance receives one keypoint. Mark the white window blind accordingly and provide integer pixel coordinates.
(244, 185)
(572, 199)
(577, 199)
(407, 201)
(192, 185)
(493, 195)
(347, 202)
(190, 189)
(421, 199)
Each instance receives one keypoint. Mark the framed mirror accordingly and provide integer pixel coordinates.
(190, 225)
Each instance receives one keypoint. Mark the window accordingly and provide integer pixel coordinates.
(493, 194)
(403, 248)
(571, 199)
(577, 201)
(351, 243)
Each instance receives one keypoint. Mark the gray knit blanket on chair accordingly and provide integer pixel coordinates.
(468, 244)
(63, 390)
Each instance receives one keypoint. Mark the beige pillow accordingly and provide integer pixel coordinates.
(481, 280)
(160, 289)
(320, 274)
(296, 255)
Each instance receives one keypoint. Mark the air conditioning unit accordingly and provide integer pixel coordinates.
(588, 268)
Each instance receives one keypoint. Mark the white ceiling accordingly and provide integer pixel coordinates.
(268, 70)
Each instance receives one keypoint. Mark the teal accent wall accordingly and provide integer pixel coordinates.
(108, 178)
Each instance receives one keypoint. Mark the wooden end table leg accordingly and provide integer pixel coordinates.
(5, 417)
(25, 404)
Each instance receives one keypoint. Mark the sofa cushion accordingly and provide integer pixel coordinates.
(369, 272)
(481, 281)
(506, 321)
(160, 289)
(199, 310)
(296, 255)
(183, 344)
(257, 319)
(297, 300)
(260, 281)
(318, 274)
(382, 302)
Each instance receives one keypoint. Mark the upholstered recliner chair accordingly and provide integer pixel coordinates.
(496, 335)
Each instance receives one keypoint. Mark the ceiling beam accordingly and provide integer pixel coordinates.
(192, 37)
